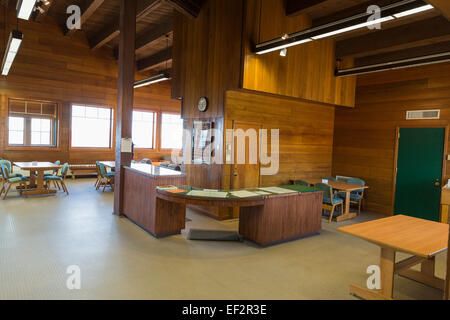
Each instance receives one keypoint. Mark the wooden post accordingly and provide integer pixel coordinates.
(125, 95)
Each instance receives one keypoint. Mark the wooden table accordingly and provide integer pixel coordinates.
(37, 170)
(344, 187)
(422, 239)
(109, 164)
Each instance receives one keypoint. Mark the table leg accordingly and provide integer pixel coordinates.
(347, 215)
(37, 184)
(426, 275)
(387, 268)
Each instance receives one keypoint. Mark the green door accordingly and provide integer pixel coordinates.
(419, 172)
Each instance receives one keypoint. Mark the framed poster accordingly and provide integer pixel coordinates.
(201, 142)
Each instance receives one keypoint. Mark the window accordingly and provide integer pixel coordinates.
(91, 127)
(32, 123)
(171, 131)
(143, 129)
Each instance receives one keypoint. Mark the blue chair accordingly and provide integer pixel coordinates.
(9, 181)
(330, 202)
(8, 166)
(331, 178)
(106, 178)
(356, 196)
(55, 172)
(301, 183)
(58, 180)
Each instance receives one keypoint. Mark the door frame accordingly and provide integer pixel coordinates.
(396, 145)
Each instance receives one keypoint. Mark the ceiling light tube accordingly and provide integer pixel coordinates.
(14, 42)
(284, 46)
(358, 26)
(25, 8)
(155, 79)
(397, 9)
(413, 11)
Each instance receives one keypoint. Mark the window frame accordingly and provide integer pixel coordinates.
(160, 130)
(112, 132)
(156, 132)
(56, 136)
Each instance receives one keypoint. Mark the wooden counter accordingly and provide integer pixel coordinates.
(265, 220)
(141, 205)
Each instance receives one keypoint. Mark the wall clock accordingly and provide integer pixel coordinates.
(203, 104)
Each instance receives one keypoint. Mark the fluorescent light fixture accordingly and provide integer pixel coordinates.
(155, 79)
(413, 11)
(284, 46)
(14, 42)
(25, 8)
(357, 26)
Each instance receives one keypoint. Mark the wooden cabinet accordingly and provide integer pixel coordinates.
(445, 203)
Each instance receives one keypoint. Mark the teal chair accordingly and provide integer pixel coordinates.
(9, 181)
(330, 202)
(8, 166)
(55, 172)
(106, 178)
(301, 183)
(356, 196)
(58, 180)
(330, 178)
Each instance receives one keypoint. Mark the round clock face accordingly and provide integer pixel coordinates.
(202, 104)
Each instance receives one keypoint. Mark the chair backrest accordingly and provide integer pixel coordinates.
(327, 190)
(64, 169)
(7, 164)
(57, 162)
(357, 181)
(301, 182)
(331, 178)
(4, 171)
(147, 161)
(102, 170)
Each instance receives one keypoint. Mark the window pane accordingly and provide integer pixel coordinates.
(143, 128)
(78, 111)
(16, 137)
(16, 126)
(16, 123)
(35, 138)
(92, 129)
(171, 131)
(40, 131)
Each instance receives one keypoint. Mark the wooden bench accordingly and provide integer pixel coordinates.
(82, 169)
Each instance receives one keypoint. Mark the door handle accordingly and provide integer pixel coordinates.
(437, 183)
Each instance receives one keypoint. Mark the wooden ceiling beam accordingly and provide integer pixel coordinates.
(436, 29)
(157, 58)
(295, 7)
(442, 6)
(189, 8)
(409, 53)
(110, 31)
(151, 35)
(87, 10)
(357, 9)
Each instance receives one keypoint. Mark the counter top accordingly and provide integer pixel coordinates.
(154, 171)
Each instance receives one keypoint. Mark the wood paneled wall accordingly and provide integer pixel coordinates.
(207, 56)
(364, 143)
(52, 67)
(306, 72)
(305, 133)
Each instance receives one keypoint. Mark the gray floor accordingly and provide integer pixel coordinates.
(41, 237)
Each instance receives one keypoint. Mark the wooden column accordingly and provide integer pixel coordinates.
(125, 95)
